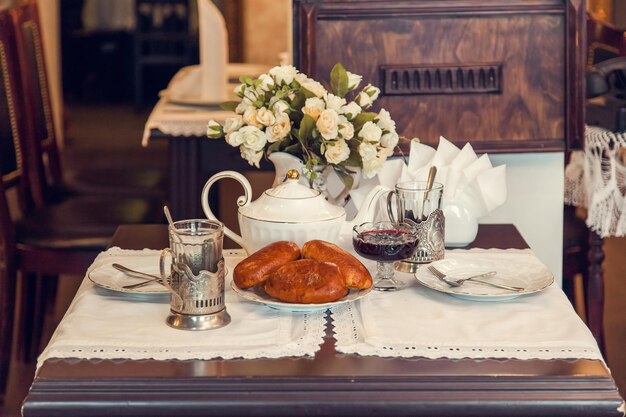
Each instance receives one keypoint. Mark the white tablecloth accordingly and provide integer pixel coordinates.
(106, 325)
(418, 321)
(182, 120)
(415, 321)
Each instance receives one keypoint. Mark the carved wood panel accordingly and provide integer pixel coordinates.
(523, 49)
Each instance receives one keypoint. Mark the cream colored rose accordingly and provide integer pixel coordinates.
(265, 116)
(364, 100)
(267, 82)
(384, 153)
(280, 129)
(214, 130)
(250, 95)
(314, 87)
(239, 89)
(346, 130)
(241, 108)
(351, 110)
(253, 157)
(251, 137)
(327, 124)
(367, 151)
(385, 122)
(283, 74)
(337, 151)
(371, 167)
(353, 80)
(372, 91)
(278, 105)
(249, 117)
(234, 139)
(389, 140)
(301, 78)
(313, 107)
(233, 123)
(334, 102)
(370, 132)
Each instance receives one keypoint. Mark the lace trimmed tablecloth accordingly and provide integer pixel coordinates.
(420, 322)
(109, 325)
(181, 120)
(596, 179)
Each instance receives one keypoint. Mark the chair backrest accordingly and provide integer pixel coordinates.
(46, 169)
(604, 41)
(13, 161)
(12, 172)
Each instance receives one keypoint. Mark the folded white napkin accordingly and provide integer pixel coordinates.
(472, 186)
(214, 79)
(213, 52)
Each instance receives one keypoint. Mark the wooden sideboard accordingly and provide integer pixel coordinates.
(506, 76)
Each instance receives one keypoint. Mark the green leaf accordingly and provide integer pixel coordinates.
(306, 128)
(274, 147)
(294, 149)
(307, 93)
(346, 178)
(229, 105)
(339, 80)
(244, 79)
(354, 160)
(361, 119)
(298, 102)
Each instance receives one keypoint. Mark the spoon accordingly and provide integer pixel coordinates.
(136, 274)
(168, 216)
(429, 184)
(170, 221)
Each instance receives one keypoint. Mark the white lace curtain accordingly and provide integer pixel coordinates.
(596, 179)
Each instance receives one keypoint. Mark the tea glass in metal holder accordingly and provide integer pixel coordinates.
(195, 277)
(419, 204)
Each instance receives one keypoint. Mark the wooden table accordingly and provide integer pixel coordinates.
(330, 384)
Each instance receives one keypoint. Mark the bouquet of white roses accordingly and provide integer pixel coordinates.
(287, 111)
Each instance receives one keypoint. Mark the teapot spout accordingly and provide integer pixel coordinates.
(367, 211)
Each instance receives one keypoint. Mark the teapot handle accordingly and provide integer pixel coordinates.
(241, 201)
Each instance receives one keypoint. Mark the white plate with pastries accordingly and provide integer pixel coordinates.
(258, 295)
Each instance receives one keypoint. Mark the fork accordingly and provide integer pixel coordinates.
(136, 274)
(473, 278)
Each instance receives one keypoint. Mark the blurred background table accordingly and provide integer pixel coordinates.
(193, 157)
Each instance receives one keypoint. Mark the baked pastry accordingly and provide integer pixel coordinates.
(354, 272)
(307, 281)
(256, 268)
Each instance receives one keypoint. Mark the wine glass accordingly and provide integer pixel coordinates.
(385, 243)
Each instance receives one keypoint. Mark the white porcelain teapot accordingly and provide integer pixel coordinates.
(290, 211)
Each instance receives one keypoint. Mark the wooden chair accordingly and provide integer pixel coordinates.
(604, 40)
(11, 169)
(43, 239)
(133, 181)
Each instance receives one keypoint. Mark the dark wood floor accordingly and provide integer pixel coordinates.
(95, 140)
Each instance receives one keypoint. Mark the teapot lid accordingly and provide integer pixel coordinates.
(291, 188)
(292, 202)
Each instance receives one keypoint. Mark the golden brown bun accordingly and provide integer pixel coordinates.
(256, 268)
(307, 281)
(355, 273)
